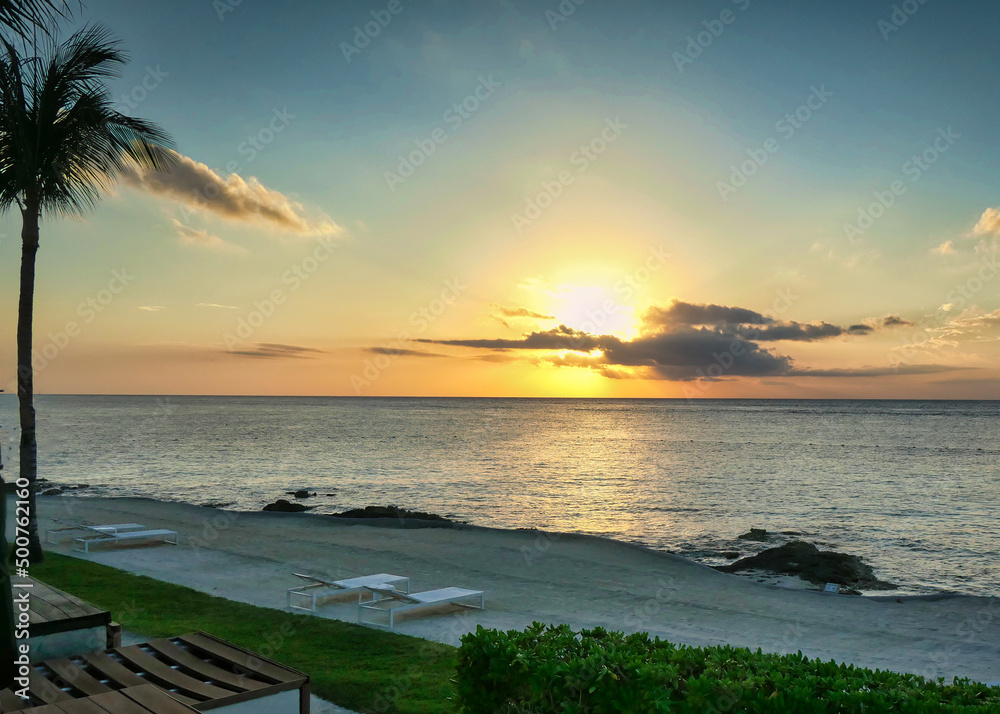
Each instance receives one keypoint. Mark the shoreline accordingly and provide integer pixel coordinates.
(584, 580)
(759, 576)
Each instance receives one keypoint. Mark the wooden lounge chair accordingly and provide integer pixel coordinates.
(69, 529)
(141, 699)
(83, 544)
(198, 672)
(391, 602)
(319, 589)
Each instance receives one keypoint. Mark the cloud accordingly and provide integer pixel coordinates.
(989, 223)
(946, 248)
(198, 187)
(503, 314)
(686, 341)
(521, 312)
(212, 304)
(400, 352)
(203, 239)
(271, 351)
(686, 313)
(152, 308)
(895, 321)
(888, 371)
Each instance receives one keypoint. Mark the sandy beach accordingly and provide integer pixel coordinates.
(531, 576)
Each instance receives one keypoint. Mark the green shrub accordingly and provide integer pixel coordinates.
(552, 669)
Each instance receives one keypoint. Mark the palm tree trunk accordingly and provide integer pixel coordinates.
(7, 623)
(25, 374)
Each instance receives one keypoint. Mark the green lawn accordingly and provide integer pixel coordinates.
(357, 667)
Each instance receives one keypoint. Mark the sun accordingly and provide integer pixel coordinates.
(593, 309)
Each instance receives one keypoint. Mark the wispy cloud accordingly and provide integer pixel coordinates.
(271, 350)
(200, 188)
(200, 238)
(152, 308)
(212, 304)
(504, 314)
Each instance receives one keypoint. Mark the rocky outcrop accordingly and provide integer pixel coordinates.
(758, 534)
(301, 493)
(390, 512)
(283, 506)
(810, 563)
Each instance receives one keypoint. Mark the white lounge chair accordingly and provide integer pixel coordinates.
(71, 528)
(83, 544)
(319, 589)
(390, 601)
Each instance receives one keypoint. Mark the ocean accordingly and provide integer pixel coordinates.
(911, 486)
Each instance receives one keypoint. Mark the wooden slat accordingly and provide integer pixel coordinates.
(243, 660)
(208, 670)
(156, 700)
(45, 690)
(115, 703)
(10, 702)
(115, 671)
(75, 676)
(44, 709)
(122, 675)
(79, 706)
(157, 670)
(46, 611)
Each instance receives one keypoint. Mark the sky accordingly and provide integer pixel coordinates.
(577, 199)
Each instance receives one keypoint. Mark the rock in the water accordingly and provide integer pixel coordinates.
(301, 493)
(731, 554)
(53, 492)
(810, 563)
(390, 512)
(284, 506)
(754, 534)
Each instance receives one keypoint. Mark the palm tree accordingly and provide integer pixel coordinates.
(23, 16)
(62, 144)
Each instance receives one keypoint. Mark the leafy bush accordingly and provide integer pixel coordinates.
(550, 669)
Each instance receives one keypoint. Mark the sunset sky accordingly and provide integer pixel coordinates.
(635, 199)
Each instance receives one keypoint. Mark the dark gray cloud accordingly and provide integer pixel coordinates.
(272, 350)
(687, 313)
(400, 352)
(887, 371)
(895, 321)
(558, 338)
(687, 341)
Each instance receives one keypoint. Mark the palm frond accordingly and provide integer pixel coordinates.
(22, 16)
(61, 137)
